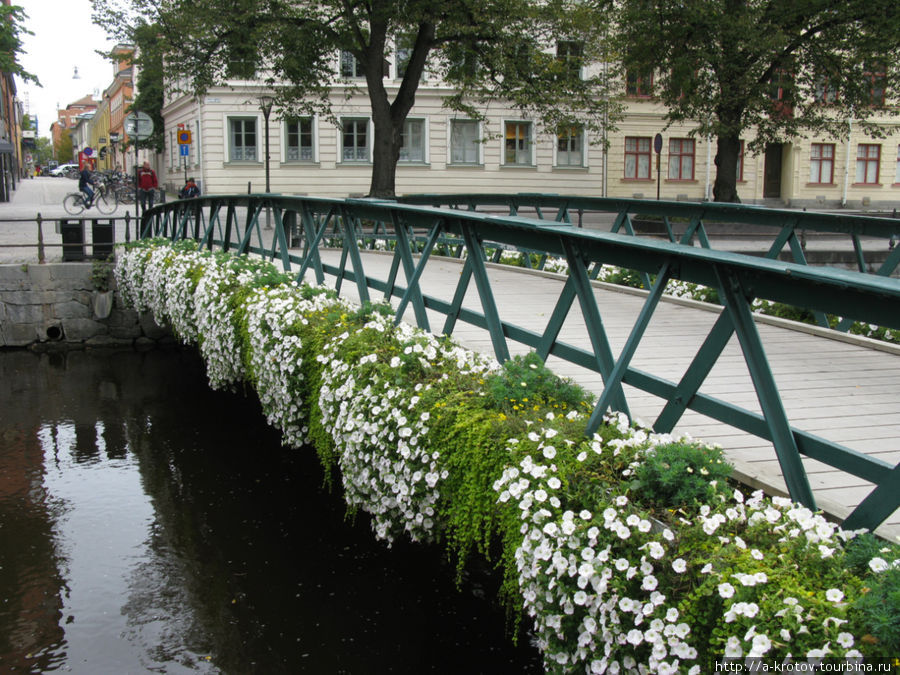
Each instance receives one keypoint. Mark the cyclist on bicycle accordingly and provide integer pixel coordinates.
(85, 184)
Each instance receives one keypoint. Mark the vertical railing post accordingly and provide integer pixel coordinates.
(40, 221)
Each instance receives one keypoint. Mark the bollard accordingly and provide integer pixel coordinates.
(40, 221)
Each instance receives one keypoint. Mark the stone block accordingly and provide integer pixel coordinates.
(79, 330)
(25, 313)
(13, 277)
(152, 329)
(72, 310)
(19, 334)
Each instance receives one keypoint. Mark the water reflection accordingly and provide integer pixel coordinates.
(150, 525)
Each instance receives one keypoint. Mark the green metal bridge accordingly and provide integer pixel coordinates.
(445, 244)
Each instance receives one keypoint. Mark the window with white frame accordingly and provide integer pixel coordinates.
(242, 146)
(570, 147)
(821, 163)
(897, 175)
(517, 144)
(350, 65)
(570, 53)
(868, 159)
(355, 140)
(403, 53)
(465, 142)
(299, 140)
(681, 159)
(412, 141)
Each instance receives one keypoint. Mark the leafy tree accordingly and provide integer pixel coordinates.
(43, 151)
(63, 149)
(12, 18)
(486, 48)
(780, 68)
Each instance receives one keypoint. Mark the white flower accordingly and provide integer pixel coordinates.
(761, 644)
(679, 565)
(649, 583)
(726, 590)
(845, 640)
(634, 637)
(733, 648)
(878, 565)
(834, 595)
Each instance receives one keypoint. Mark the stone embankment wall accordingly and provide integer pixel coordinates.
(57, 306)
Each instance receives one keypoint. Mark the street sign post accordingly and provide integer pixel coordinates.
(657, 146)
(139, 126)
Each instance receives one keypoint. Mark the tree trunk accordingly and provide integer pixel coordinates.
(385, 154)
(728, 151)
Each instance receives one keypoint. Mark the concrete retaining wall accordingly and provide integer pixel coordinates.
(56, 306)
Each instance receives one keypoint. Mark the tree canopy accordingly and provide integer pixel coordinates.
(484, 49)
(778, 68)
(12, 18)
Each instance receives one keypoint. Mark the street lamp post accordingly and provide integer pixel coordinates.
(265, 104)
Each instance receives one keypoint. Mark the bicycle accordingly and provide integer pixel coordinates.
(104, 200)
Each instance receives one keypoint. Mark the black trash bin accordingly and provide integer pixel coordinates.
(102, 238)
(72, 232)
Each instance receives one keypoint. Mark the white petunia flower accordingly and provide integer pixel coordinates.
(834, 595)
(726, 590)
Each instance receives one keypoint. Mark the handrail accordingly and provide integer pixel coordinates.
(236, 223)
(41, 244)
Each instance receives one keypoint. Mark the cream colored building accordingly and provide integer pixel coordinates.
(444, 152)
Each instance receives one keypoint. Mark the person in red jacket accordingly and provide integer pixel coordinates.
(147, 185)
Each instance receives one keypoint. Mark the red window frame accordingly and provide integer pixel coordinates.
(638, 147)
(868, 158)
(680, 150)
(638, 85)
(821, 156)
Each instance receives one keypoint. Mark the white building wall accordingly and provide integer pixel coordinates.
(328, 175)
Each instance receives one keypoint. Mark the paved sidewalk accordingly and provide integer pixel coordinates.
(44, 196)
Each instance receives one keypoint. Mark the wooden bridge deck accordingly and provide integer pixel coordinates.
(839, 387)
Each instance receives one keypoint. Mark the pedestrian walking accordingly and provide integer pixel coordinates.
(147, 185)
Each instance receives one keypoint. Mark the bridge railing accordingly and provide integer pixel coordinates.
(292, 230)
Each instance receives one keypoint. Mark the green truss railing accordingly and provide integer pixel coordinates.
(291, 230)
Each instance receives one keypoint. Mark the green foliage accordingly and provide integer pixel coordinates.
(880, 612)
(12, 19)
(525, 384)
(101, 275)
(680, 475)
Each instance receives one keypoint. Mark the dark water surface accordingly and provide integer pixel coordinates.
(150, 525)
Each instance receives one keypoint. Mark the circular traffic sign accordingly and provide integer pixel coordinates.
(139, 125)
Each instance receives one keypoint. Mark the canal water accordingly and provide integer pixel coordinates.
(151, 525)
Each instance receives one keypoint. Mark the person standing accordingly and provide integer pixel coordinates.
(147, 185)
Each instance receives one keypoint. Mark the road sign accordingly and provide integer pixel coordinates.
(184, 137)
(139, 125)
(184, 150)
